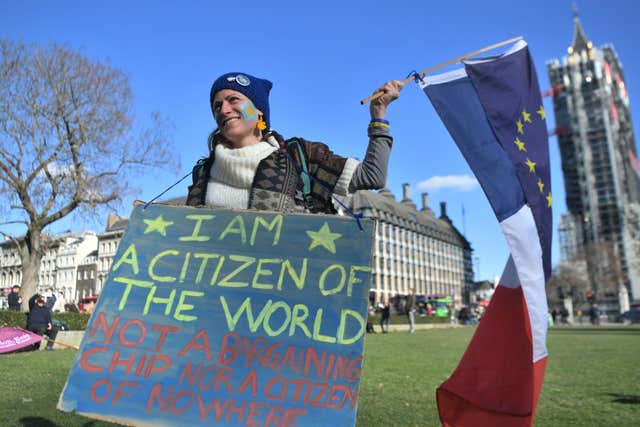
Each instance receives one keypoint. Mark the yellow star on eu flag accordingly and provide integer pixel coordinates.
(549, 200)
(532, 165)
(541, 112)
(520, 144)
(324, 237)
(520, 126)
(541, 185)
(158, 224)
(526, 116)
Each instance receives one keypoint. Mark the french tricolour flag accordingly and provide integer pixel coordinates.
(493, 110)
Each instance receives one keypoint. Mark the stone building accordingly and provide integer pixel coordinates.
(58, 267)
(108, 242)
(414, 248)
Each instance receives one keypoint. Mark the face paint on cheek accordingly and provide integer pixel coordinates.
(249, 111)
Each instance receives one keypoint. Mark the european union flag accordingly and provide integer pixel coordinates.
(493, 110)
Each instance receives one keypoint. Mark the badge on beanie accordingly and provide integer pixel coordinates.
(241, 79)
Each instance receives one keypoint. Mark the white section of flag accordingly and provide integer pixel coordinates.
(526, 252)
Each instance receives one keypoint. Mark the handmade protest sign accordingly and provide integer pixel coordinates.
(234, 318)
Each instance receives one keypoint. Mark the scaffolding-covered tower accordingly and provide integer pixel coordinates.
(599, 160)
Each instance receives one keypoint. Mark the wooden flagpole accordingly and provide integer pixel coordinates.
(444, 64)
(61, 343)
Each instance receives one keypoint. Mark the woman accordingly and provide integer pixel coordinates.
(249, 166)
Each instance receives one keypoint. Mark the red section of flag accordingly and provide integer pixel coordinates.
(496, 373)
(457, 412)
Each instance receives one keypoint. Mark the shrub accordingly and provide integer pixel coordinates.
(75, 321)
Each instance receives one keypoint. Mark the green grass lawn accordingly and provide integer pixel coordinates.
(593, 379)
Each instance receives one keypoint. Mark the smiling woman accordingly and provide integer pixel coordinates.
(250, 166)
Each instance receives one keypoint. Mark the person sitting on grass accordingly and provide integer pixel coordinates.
(39, 321)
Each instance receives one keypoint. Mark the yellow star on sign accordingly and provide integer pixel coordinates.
(520, 144)
(532, 165)
(541, 185)
(158, 224)
(526, 116)
(541, 112)
(324, 237)
(520, 127)
(549, 200)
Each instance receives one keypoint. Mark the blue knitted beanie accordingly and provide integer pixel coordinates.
(254, 88)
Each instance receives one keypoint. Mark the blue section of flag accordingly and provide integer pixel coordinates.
(494, 114)
(508, 90)
(460, 110)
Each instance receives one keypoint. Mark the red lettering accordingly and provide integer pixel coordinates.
(240, 410)
(164, 331)
(250, 381)
(290, 415)
(193, 345)
(231, 344)
(253, 412)
(84, 364)
(107, 330)
(271, 383)
(176, 397)
(119, 393)
(93, 392)
(140, 365)
(312, 356)
(272, 417)
(151, 366)
(187, 372)
(317, 398)
(156, 394)
(215, 405)
(143, 331)
(115, 361)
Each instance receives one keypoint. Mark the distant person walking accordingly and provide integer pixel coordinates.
(386, 314)
(410, 309)
(15, 300)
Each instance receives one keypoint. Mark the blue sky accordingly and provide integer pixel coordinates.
(324, 57)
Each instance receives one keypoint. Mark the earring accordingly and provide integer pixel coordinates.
(262, 125)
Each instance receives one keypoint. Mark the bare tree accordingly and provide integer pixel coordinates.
(569, 279)
(67, 141)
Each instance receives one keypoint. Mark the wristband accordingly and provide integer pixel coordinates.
(379, 123)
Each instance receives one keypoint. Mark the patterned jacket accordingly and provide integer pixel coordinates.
(277, 185)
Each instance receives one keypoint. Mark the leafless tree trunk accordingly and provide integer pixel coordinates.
(67, 141)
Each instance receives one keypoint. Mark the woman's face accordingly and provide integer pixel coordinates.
(235, 114)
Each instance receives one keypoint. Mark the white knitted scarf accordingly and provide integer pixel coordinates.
(232, 174)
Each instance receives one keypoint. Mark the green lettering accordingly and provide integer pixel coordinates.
(185, 267)
(297, 320)
(343, 326)
(352, 277)
(182, 306)
(151, 298)
(298, 278)
(272, 309)
(130, 282)
(195, 236)
(260, 272)
(203, 265)
(339, 285)
(247, 261)
(276, 223)
(317, 336)
(157, 258)
(232, 320)
(235, 229)
(130, 256)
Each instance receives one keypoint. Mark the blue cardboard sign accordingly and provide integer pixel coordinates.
(235, 318)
